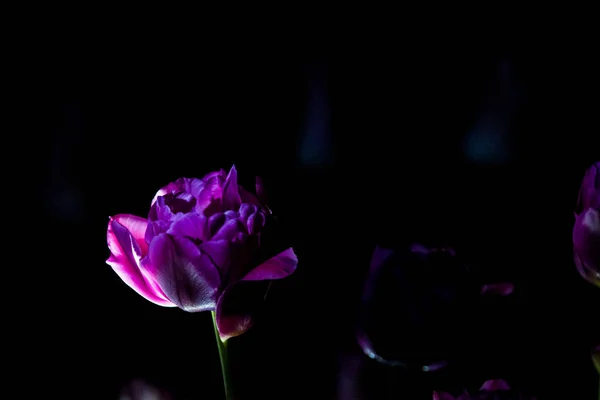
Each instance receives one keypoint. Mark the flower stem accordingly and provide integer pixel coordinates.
(222, 346)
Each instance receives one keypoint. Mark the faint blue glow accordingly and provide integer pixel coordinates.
(490, 139)
(63, 197)
(316, 143)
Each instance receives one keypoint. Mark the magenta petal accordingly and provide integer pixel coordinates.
(589, 192)
(442, 396)
(586, 245)
(278, 267)
(216, 175)
(125, 238)
(238, 303)
(500, 289)
(191, 225)
(170, 188)
(494, 385)
(231, 194)
(237, 306)
(188, 278)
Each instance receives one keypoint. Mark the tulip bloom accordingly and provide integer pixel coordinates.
(200, 250)
(586, 232)
(492, 389)
(408, 296)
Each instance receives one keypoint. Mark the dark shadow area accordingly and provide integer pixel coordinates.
(402, 154)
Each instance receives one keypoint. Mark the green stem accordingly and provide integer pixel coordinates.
(222, 346)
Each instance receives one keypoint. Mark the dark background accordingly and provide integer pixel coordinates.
(389, 163)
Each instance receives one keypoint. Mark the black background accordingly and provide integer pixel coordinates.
(114, 124)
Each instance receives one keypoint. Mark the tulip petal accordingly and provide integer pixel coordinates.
(442, 396)
(188, 278)
(191, 225)
(237, 306)
(238, 303)
(586, 245)
(215, 175)
(155, 228)
(219, 253)
(260, 190)
(379, 259)
(494, 385)
(231, 194)
(230, 230)
(589, 192)
(125, 238)
(170, 188)
(282, 265)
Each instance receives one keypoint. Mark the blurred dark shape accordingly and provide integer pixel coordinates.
(586, 231)
(316, 141)
(63, 196)
(419, 305)
(494, 389)
(141, 390)
(348, 386)
(490, 140)
(596, 357)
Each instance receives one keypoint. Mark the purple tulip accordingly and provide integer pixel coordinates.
(586, 232)
(408, 296)
(200, 250)
(495, 389)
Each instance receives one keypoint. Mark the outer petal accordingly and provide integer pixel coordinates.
(589, 192)
(239, 301)
(442, 396)
(125, 238)
(188, 278)
(231, 194)
(170, 188)
(378, 260)
(494, 385)
(160, 211)
(220, 174)
(282, 265)
(586, 244)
